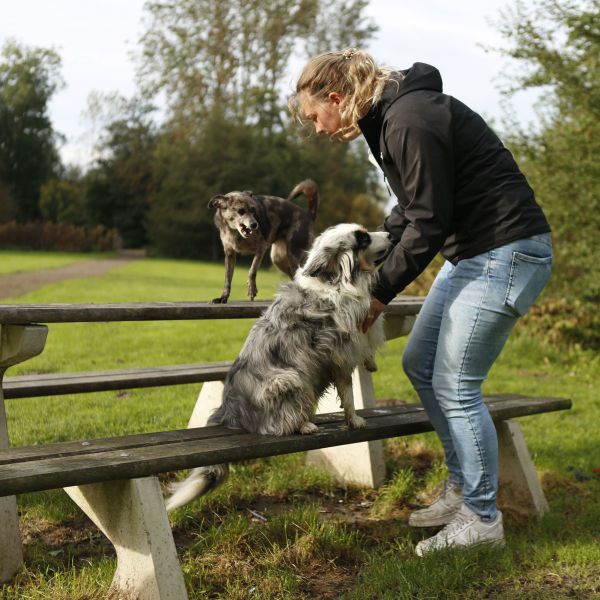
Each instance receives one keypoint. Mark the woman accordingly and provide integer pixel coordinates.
(459, 192)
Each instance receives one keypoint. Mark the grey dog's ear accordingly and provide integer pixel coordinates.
(217, 201)
(315, 266)
(322, 263)
(249, 192)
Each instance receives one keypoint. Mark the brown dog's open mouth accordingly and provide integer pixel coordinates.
(246, 231)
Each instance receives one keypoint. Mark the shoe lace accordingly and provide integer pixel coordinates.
(457, 523)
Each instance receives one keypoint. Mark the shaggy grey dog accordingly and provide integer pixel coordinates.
(308, 339)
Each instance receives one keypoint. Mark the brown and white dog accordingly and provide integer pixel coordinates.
(250, 224)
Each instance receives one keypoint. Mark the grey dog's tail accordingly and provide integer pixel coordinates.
(309, 188)
(199, 482)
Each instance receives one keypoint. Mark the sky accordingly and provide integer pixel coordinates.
(96, 38)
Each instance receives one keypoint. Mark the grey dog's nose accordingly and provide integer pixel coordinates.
(253, 225)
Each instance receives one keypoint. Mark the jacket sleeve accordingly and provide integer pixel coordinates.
(395, 224)
(423, 157)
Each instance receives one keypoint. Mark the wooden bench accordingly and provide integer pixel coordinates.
(114, 480)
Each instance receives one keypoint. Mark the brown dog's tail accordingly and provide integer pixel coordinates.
(309, 188)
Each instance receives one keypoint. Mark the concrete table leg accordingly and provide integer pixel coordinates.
(17, 344)
(362, 463)
(519, 482)
(131, 513)
(209, 398)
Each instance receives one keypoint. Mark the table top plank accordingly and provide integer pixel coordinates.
(20, 314)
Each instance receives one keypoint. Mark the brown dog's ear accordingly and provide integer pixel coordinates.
(217, 201)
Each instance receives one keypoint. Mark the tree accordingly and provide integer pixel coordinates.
(63, 201)
(208, 56)
(29, 77)
(558, 43)
(120, 184)
(222, 68)
(340, 25)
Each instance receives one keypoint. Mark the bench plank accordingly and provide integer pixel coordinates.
(139, 440)
(148, 454)
(55, 384)
(11, 314)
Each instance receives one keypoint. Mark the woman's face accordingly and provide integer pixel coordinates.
(324, 114)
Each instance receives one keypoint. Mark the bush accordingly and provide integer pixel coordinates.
(45, 235)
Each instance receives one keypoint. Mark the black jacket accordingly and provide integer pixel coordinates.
(459, 189)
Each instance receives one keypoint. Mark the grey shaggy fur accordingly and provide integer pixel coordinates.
(307, 340)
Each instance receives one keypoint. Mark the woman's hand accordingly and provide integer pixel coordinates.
(375, 310)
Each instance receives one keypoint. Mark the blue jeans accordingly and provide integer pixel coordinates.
(466, 319)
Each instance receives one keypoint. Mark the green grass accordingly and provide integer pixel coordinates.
(319, 540)
(20, 261)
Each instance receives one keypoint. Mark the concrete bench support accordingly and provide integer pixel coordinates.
(209, 398)
(362, 463)
(131, 513)
(17, 344)
(519, 483)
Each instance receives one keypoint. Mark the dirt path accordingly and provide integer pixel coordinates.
(17, 284)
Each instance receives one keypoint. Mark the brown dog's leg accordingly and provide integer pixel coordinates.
(256, 261)
(229, 266)
(294, 264)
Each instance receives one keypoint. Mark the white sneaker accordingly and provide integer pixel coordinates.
(466, 529)
(441, 511)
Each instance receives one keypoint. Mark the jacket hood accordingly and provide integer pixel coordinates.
(420, 76)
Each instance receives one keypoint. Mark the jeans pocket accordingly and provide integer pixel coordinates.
(528, 276)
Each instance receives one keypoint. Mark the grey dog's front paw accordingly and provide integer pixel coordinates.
(308, 428)
(357, 422)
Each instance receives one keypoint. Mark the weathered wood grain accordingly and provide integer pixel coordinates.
(55, 384)
(157, 311)
(59, 465)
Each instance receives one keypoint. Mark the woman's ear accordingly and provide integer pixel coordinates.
(335, 98)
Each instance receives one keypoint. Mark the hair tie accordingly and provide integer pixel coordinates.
(348, 54)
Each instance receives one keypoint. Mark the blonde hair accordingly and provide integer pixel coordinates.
(351, 73)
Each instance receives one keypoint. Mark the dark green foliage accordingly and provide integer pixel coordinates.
(63, 201)
(558, 43)
(29, 77)
(120, 184)
(222, 67)
(561, 44)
